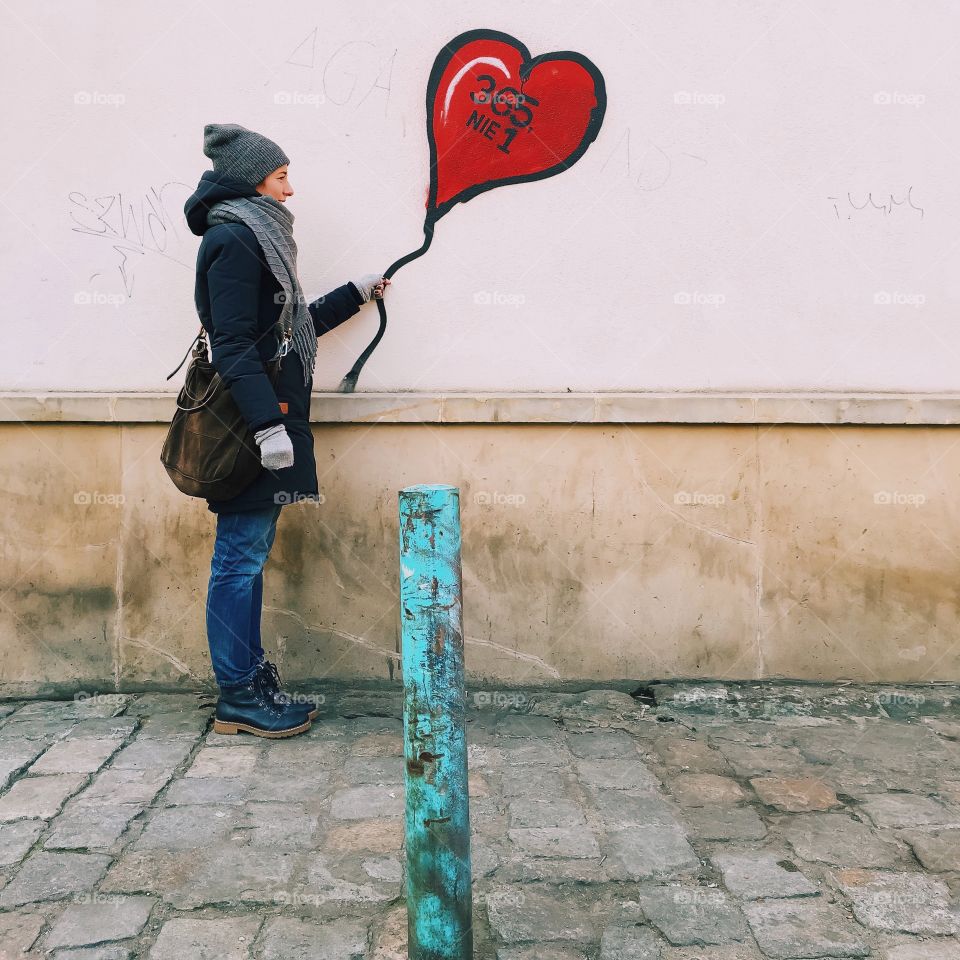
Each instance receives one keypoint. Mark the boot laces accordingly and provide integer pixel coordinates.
(263, 689)
(272, 678)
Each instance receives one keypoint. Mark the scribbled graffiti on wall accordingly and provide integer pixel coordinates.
(133, 227)
(851, 205)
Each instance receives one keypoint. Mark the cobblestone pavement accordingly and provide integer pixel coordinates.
(682, 822)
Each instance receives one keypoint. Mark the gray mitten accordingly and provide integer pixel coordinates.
(367, 284)
(276, 448)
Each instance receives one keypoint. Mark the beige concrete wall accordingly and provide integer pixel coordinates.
(590, 551)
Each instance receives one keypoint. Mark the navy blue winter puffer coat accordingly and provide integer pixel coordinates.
(236, 299)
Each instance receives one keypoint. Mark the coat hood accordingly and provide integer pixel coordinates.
(212, 188)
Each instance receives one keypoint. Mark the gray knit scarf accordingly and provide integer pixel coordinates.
(272, 223)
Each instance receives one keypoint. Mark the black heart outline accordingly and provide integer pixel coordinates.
(440, 64)
(349, 383)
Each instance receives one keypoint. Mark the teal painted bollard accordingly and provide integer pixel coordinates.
(439, 895)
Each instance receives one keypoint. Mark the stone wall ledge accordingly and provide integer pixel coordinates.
(907, 409)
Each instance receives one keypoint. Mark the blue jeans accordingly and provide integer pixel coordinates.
(235, 593)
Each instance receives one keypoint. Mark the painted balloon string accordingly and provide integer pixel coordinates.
(349, 383)
(497, 116)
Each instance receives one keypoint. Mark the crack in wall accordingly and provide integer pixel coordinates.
(755, 542)
(396, 656)
(320, 628)
(517, 655)
(160, 652)
(642, 480)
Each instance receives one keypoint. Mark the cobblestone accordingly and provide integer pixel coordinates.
(717, 823)
(838, 839)
(755, 876)
(85, 924)
(901, 902)
(693, 915)
(39, 796)
(938, 850)
(54, 876)
(795, 795)
(712, 825)
(705, 789)
(788, 929)
(212, 939)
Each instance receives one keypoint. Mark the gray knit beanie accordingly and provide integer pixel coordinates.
(241, 153)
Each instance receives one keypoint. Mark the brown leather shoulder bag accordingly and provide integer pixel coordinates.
(209, 450)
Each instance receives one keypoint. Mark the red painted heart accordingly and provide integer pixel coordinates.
(496, 116)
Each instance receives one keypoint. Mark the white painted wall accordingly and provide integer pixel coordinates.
(751, 208)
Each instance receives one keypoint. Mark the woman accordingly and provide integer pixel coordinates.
(250, 303)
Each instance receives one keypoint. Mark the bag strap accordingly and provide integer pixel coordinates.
(199, 336)
(283, 349)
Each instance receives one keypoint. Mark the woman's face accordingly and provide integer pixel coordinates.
(276, 185)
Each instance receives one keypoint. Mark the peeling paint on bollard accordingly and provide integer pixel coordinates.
(439, 902)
